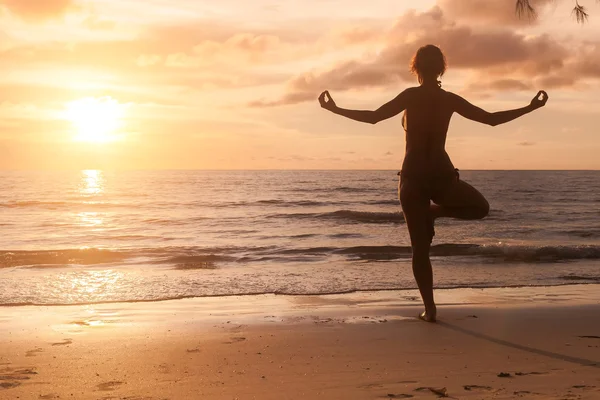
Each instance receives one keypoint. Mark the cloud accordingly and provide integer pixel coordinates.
(501, 58)
(588, 60)
(555, 81)
(470, 48)
(35, 10)
(288, 98)
(501, 84)
(95, 23)
(209, 43)
(147, 60)
(356, 34)
(241, 47)
(140, 64)
(208, 38)
(348, 75)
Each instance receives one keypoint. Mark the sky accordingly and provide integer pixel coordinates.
(233, 84)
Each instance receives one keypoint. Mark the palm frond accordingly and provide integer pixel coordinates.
(523, 7)
(580, 13)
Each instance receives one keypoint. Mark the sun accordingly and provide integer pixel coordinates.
(97, 120)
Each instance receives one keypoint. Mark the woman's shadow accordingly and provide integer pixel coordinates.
(563, 357)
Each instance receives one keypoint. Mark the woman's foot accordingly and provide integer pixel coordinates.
(425, 316)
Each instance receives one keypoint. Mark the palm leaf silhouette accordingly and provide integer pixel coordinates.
(523, 8)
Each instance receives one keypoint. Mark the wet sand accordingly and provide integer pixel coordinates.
(530, 343)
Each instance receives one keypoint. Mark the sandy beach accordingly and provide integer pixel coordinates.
(531, 343)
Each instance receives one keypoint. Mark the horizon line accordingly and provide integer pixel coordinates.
(269, 169)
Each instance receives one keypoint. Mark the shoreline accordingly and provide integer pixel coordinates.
(285, 309)
(285, 294)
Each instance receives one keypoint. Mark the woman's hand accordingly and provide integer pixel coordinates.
(326, 101)
(538, 102)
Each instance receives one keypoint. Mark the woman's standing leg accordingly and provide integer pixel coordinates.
(415, 206)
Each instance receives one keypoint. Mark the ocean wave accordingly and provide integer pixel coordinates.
(292, 292)
(194, 259)
(292, 203)
(394, 202)
(216, 255)
(268, 202)
(166, 222)
(303, 236)
(345, 236)
(196, 265)
(299, 203)
(349, 189)
(537, 254)
(366, 216)
(88, 256)
(490, 253)
(580, 278)
(348, 216)
(584, 233)
(59, 205)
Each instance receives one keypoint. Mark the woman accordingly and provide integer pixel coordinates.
(427, 172)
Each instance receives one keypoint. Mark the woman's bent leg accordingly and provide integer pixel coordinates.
(460, 200)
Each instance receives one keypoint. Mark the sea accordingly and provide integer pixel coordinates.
(85, 237)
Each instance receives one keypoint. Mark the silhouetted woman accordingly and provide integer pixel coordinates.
(427, 172)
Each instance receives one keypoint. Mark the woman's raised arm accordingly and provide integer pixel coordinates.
(388, 110)
(468, 110)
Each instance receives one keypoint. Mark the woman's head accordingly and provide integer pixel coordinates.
(428, 63)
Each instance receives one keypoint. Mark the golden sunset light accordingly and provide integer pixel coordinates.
(234, 85)
(299, 199)
(97, 120)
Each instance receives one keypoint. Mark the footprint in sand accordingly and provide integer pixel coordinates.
(65, 342)
(477, 387)
(32, 353)
(530, 373)
(371, 386)
(49, 396)
(525, 392)
(398, 396)
(235, 339)
(8, 385)
(440, 392)
(11, 378)
(237, 329)
(106, 386)
(140, 398)
(164, 368)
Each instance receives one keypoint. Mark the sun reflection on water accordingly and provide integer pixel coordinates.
(92, 182)
(90, 219)
(95, 283)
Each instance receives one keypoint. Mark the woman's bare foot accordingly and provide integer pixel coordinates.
(430, 314)
(427, 317)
